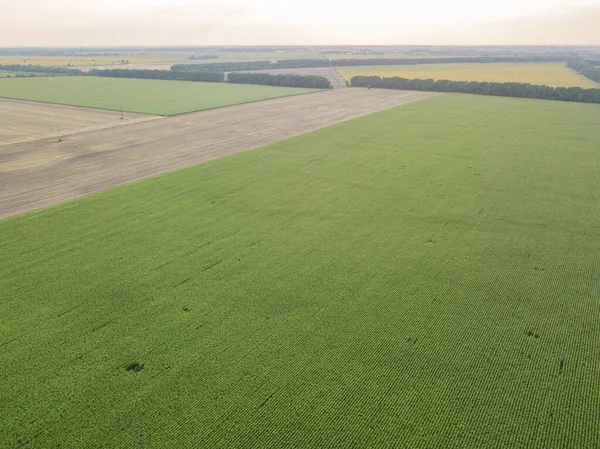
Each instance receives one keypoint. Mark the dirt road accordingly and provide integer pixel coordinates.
(22, 121)
(46, 172)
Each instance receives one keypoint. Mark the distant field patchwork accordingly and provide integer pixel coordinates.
(424, 277)
(157, 97)
(78, 61)
(548, 74)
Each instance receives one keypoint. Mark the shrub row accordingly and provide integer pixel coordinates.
(521, 90)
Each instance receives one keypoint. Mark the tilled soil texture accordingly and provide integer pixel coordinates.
(23, 121)
(331, 73)
(35, 175)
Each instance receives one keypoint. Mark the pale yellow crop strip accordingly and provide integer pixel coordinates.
(549, 74)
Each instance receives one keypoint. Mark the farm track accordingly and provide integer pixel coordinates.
(34, 175)
(24, 121)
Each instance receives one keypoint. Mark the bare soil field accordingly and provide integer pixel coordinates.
(24, 121)
(331, 73)
(35, 175)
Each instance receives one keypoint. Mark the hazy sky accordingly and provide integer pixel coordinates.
(264, 22)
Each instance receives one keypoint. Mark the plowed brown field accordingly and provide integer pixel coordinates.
(46, 172)
(24, 121)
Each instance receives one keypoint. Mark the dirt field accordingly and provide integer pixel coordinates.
(331, 73)
(23, 121)
(38, 174)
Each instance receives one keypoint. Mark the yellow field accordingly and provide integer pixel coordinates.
(76, 61)
(549, 74)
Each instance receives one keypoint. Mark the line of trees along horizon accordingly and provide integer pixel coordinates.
(515, 90)
(311, 63)
(586, 69)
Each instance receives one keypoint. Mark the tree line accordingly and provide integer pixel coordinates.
(40, 69)
(215, 77)
(519, 90)
(308, 81)
(585, 68)
(195, 57)
(316, 82)
(311, 63)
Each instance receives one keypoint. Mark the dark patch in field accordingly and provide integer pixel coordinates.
(21, 443)
(267, 399)
(530, 333)
(135, 367)
(186, 309)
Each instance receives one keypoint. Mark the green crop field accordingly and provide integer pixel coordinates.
(553, 74)
(139, 95)
(423, 277)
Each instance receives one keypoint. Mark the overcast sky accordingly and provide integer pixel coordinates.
(266, 22)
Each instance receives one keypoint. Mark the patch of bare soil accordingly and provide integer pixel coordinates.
(42, 173)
